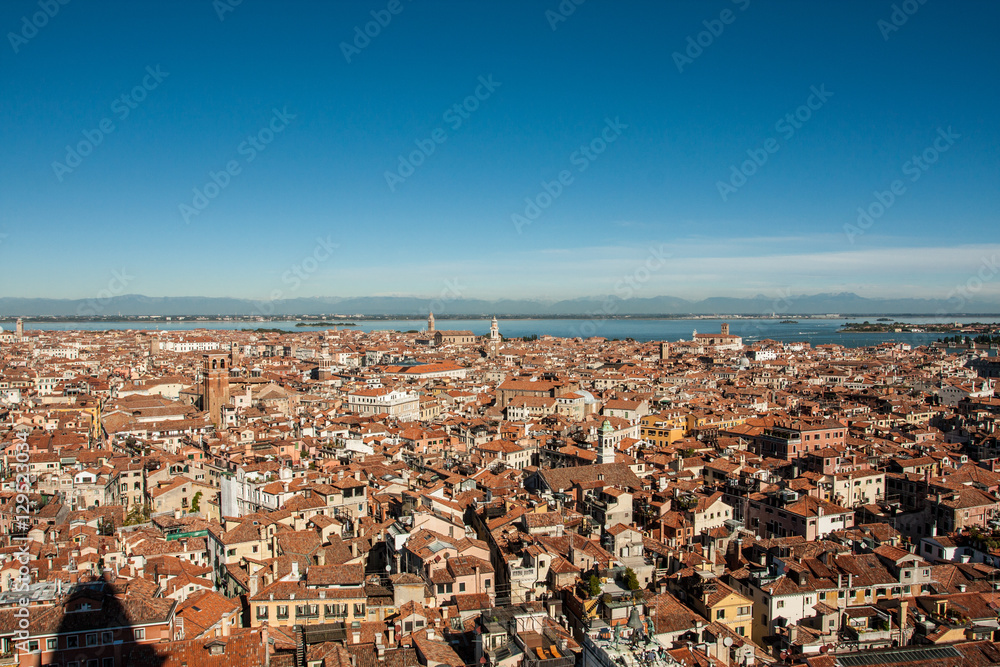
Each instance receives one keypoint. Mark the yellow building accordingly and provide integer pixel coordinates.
(718, 602)
(698, 420)
(663, 429)
(290, 603)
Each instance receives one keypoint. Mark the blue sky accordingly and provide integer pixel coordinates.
(317, 202)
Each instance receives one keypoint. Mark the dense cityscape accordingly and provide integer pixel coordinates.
(438, 498)
(506, 333)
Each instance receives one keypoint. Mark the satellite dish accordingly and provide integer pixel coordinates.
(727, 641)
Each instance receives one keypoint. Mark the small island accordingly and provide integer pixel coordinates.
(900, 327)
(788, 322)
(966, 342)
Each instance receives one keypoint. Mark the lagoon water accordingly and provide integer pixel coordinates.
(814, 331)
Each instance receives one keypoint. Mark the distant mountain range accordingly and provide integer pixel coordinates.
(132, 305)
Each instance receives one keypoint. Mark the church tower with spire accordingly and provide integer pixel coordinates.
(493, 344)
(605, 448)
(430, 323)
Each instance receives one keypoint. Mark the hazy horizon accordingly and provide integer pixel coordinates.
(455, 306)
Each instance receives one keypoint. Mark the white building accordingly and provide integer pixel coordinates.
(190, 345)
(244, 492)
(399, 404)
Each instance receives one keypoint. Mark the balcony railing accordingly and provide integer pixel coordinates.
(600, 504)
(533, 660)
(538, 655)
(499, 653)
(870, 635)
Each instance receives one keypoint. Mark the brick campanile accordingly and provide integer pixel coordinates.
(215, 385)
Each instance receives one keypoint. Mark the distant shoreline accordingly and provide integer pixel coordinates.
(907, 327)
(313, 320)
(326, 324)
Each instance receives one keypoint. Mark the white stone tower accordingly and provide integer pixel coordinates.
(605, 448)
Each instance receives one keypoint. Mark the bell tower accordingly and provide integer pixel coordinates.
(215, 385)
(430, 323)
(493, 346)
(605, 448)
